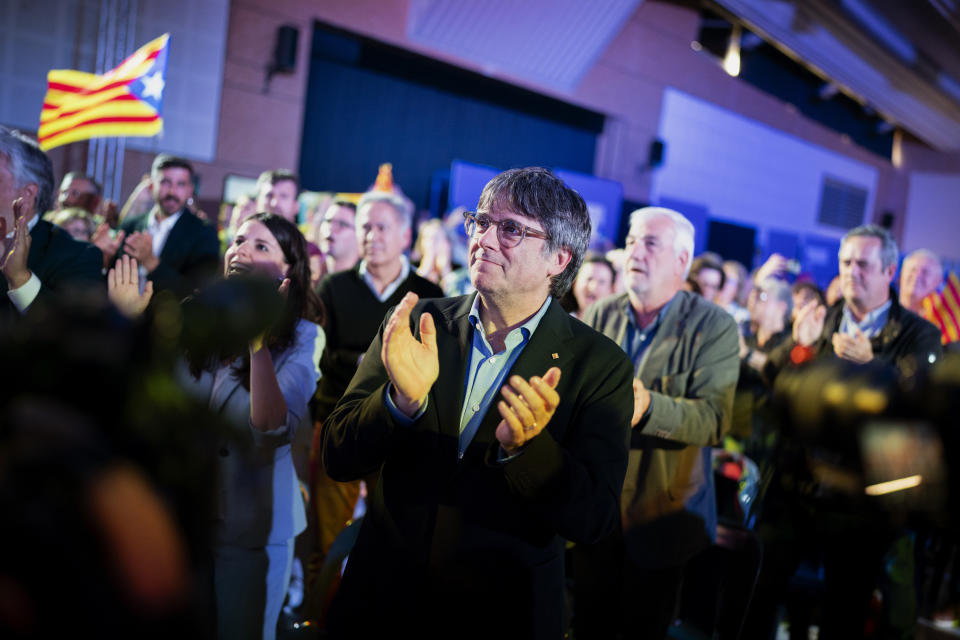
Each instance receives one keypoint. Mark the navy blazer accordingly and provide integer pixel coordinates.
(190, 257)
(474, 542)
(62, 264)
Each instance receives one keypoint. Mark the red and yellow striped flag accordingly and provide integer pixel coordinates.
(943, 309)
(125, 101)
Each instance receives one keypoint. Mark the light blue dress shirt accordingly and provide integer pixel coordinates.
(637, 340)
(872, 323)
(486, 371)
(393, 286)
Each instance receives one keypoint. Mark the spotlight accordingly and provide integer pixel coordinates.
(731, 61)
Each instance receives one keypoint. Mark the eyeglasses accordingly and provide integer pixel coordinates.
(510, 233)
(337, 224)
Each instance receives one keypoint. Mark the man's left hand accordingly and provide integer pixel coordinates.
(139, 246)
(641, 401)
(16, 249)
(526, 409)
(855, 348)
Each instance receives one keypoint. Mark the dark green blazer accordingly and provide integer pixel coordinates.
(691, 369)
(472, 547)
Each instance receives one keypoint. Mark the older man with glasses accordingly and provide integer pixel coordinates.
(499, 428)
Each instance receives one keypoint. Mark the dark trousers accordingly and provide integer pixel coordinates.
(614, 598)
(852, 549)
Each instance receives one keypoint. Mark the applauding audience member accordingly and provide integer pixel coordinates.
(262, 388)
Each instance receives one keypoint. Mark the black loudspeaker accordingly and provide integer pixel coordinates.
(285, 55)
(656, 153)
(886, 220)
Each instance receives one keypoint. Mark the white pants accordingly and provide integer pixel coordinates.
(250, 585)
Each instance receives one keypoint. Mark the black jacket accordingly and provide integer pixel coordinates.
(474, 547)
(190, 257)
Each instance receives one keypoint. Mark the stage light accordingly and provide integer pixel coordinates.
(882, 488)
(731, 61)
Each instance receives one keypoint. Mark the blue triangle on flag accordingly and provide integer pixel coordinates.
(151, 85)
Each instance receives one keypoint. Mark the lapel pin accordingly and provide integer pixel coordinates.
(555, 356)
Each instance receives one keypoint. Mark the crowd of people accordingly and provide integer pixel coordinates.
(488, 432)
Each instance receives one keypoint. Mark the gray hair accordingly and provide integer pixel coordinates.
(536, 193)
(888, 246)
(402, 207)
(926, 253)
(683, 231)
(28, 164)
(781, 292)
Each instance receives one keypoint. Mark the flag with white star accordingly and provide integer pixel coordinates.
(125, 101)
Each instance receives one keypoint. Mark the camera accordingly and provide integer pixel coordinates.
(870, 439)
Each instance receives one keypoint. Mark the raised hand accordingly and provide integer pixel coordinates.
(413, 365)
(526, 409)
(123, 288)
(809, 323)
(774, 267)
(13, 261)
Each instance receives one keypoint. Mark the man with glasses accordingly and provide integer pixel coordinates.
(499, 428)
(338, 237)
(684, 350)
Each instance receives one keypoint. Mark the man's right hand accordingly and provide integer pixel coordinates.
(413, 365)
(808, 325)
(14, 253)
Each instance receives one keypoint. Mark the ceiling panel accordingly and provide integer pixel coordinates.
(828, 38)
(551, 43)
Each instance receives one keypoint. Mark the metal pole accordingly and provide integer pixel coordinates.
(122, 142)
(93, 147)
(115, 40)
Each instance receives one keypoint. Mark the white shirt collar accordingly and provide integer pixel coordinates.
(30, 226)
(393, 286)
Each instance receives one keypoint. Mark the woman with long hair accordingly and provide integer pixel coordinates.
(262, 389)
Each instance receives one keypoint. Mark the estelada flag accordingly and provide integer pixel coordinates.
(125, 101)
(943, 309)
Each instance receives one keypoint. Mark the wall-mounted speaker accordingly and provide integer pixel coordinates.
(655, 158)
(285, 53)
(886, 220)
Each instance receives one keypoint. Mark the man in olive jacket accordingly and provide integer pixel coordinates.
(685, 355)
